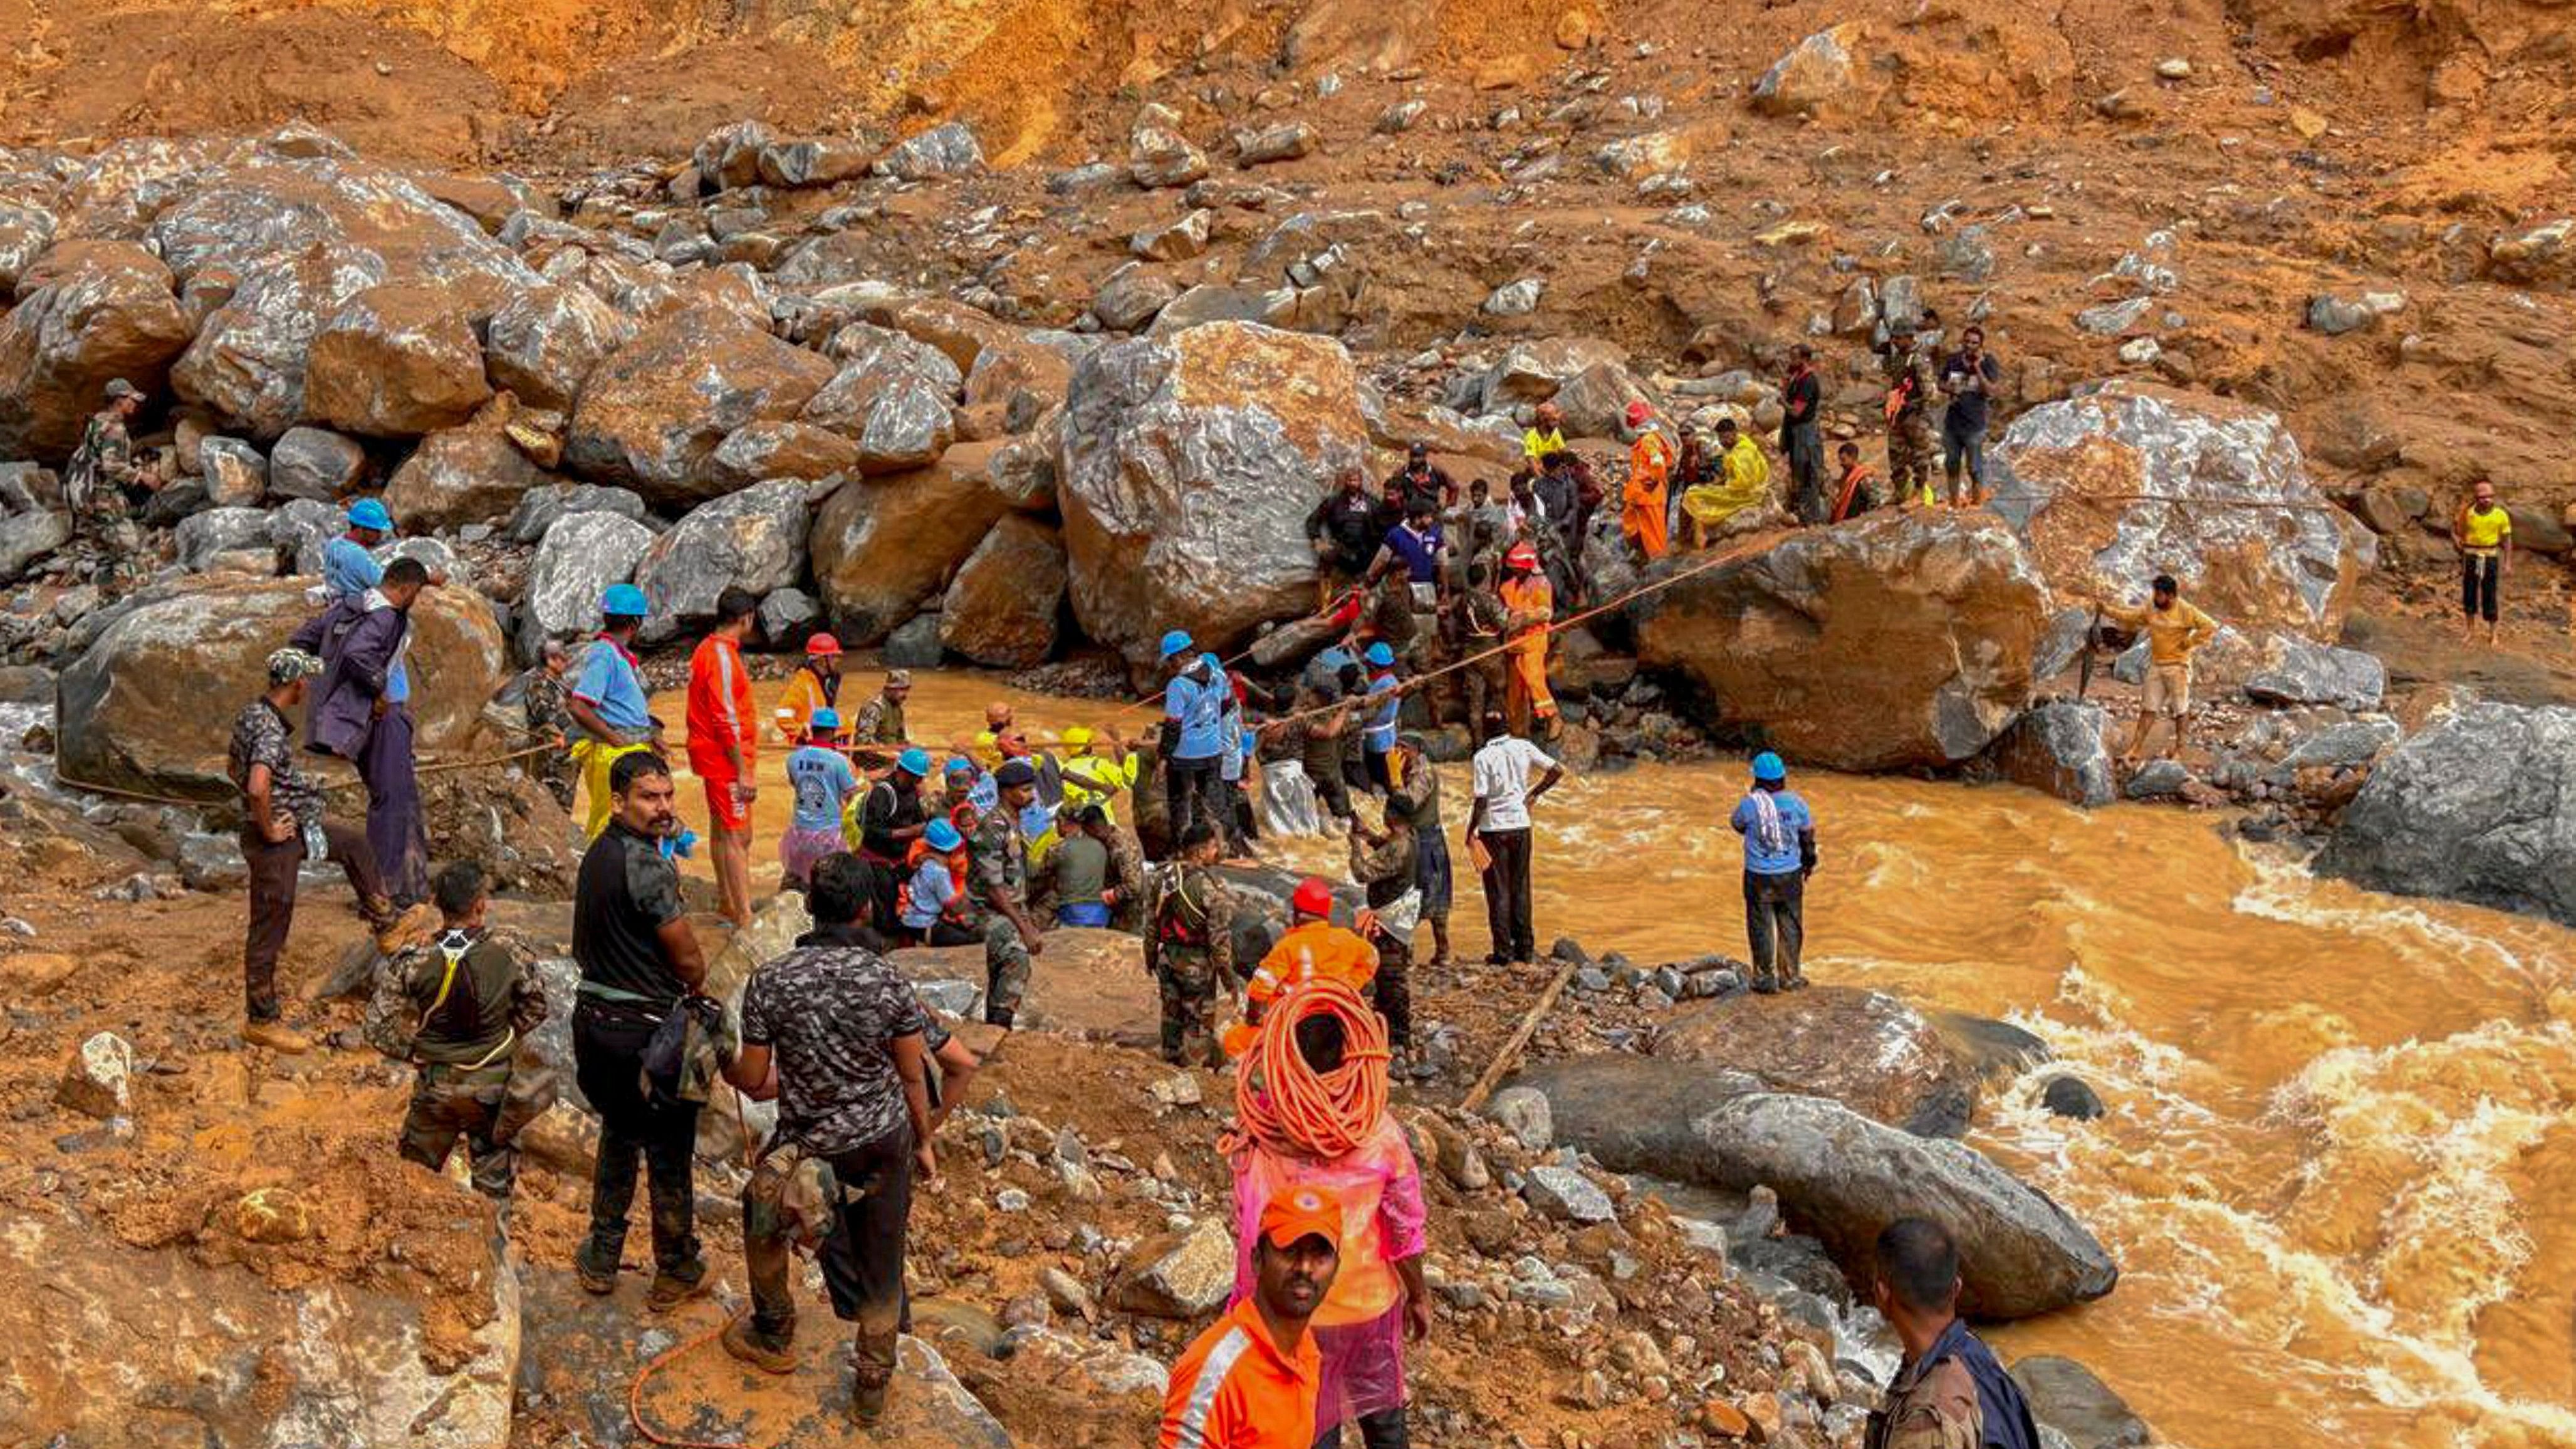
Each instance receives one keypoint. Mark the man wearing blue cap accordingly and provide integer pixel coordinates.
(609, 703)
(1385, 706)
(890, 820)
(1779, 854)
(821, 779)
(349, 562)
(362, 713)
(1193, 733)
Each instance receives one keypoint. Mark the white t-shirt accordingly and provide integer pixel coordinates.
(1503, 769)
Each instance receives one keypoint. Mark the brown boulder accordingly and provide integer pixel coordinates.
(1002, 608)
(652, 414)
(247, 364)
(953, 327)
(1903, 641)
(1864, 1049)
(1086, 983)
(463, 475)
(395, 362)
(88, 312)
(544, 342)
(884, 547)
(761, 451)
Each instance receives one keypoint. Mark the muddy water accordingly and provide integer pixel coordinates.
(2339, 1164)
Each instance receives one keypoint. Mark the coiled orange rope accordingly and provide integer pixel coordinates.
(1287, 1106)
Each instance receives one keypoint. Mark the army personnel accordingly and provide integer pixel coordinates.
(997, 881)
(1910, 441)
(1189, 948)
(103, 483)
(879, 733)
(542, 719)
(1949, 1392)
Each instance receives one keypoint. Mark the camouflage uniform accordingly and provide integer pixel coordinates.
(94, 485)
(1912, 450)
(1931, 1405)
(459, 1030)
(1480, 632)
(542, 698)
(1127, 868)
(879, 731)
(997, 868)
(1189, 948)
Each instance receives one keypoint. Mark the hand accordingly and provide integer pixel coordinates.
(1417, 1319)
(745, 792)
(925, 1164)
(1036, 944)
(377, 710)
(280, 829)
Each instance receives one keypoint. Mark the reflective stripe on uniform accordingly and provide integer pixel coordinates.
(1212, 1374)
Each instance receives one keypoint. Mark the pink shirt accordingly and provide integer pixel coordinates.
(1380, 1187)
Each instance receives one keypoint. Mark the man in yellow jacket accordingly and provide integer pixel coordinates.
(1097, 767)
(1743, 481)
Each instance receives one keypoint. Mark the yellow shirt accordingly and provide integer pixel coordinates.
(2485, 530)
(2173, 635)
(1538, 445)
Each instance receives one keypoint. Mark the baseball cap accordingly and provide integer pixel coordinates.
(1014, 774)
(1302, 1212)
(119, 389)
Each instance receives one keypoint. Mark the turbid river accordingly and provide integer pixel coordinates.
(2338, 1170)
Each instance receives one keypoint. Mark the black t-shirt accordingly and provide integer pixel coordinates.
(625, 894)
(1966, 383)
(1800, 398)
(889, 808)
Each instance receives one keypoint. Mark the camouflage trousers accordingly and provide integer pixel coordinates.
(1912, 453)
(115, 546)
(851, 1210)
(1006, 971)
(554, 770)
(1188, 983)
(449, 1102)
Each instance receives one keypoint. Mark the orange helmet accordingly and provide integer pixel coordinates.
(822, 646)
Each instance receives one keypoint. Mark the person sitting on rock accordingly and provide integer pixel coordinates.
(1743, 482)
(1853, 495)
(879, 735)
(1949, 1392)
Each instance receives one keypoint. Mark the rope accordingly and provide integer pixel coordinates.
(1286, 1105)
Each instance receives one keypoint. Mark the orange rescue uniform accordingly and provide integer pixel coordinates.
(1642, 512)
(720, 709)
(1234, 1389)
(796, 705)
(1530, 604)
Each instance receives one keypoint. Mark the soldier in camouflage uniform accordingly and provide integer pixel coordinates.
(1127, 868)
(1478, 624)
(457, 1006)
(96, 486)
(1189, 948)
(880, 732)
(542, 692)
(1911, 447)
(997, 881)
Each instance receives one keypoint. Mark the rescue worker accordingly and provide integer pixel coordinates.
(879, 732)
(934, 909)
(1386, 865)
(456, 1007)
(1498, 824)
(1741, 481)
(1529, 612)
(998, 884)
(349, 564)
(1313, 947)
(1420, 479)
(1385, 705)
(1485, 681)
(1345, 529)
(2175, 631)
(1071, 887)
(1910, 443)
(816, 684)
(1193, 731)
(890, 822)
(1546, 434)
(1189, 948)
(724, 744)
(1949, 1392)
(609, 704)
(824, 785)
(1853, 495)
(1251, 1381)
(2484, 533)
(1099, 767)
(1641, 498)
(840, 1040)
(1969, 376)
(546, 721)
(1417, 786)
(1802, 439)
(639, 959)
(1321, 722)
(1779, 833)
(283, 826)
(103, 485)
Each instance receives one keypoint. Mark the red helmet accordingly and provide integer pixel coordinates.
(1522, 556)
(1313, 898)
(822, 646)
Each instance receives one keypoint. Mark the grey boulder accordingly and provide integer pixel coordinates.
(753, 540)
(2294, 670)
(2058, 748)
(581, 555)
(2470, 808)
(314, 463)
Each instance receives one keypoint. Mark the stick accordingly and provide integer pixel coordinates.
(1511, 1051)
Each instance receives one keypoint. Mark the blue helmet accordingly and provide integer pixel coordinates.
(370, 513)
(1768, 768)
(1380, 655)
(625, 599)
(914, 762)
(824, 722)
(1177, 642)
(942, 836)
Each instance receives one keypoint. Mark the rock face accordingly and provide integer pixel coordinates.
(1190, 463)
(581, 555)
(1864, 1049)
(884, 547)
(149, 704)
(2066, 1396)
(2470, 808)
(1839, 1175)
(314, 463)
(1002, 608)
(653, 412)
(27, 537)
(107, 311)
(754, 539)
(1820, 77)
(2058, 749)
(2294, 670)
(2068, 475)
(1904, 641)
(544, 342)
(462, 475)
(396, 362)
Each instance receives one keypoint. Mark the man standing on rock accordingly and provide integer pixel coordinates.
(1779, 854)
(1909, 416)
(363, 714)
(1529, 614)
(102, 484)
(838, 1038)
(997, 880)
(891, 819)
(1949, 1392)
(282, 827)
(349, 566)
(1969, 377)
(1345, 528)
(1802, 438)
(1421, 479)
(609, 703)
(638, 958)
(724, 741)
(1641, 499)
(1193, 733)
(2175, 631)
(1498, 825)
(2484, 532)
(1252, 1380)
(1189, 948)
(880, 732)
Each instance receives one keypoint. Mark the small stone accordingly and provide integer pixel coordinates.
(98, 1079)
(2307, 123)
(1567, 1195)
(272, 1215)
(2174, 68)
(1515, 299)
(1525, 1114)
(2140, 351)
(1065, 1292)
(1178, 1090)
(1011, 1200)
(2071, 1097)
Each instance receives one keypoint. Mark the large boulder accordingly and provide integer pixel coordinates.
(469, 474)
(754, 540)
(2295, 670)
(580, 555)
(396, 361)
(2059, 749)
(757, 452)
(1536, 370)
(314, 463)
(884, 547)
(1839, 1175)
(1864, 1049)
(1002, 608)
(26, 538)
(900, 418)
(544, 342)
(1823, 75)
(1190, 463)
(2137, 479)
(107, 311)
(148, 705)
(653, 412)
(1904, 641)
(2472, 808)
(247, 364)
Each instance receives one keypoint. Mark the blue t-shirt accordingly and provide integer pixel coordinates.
(609, 685)
(1420, 551)
(1378, 735)
(931, 892)
(1779, 856)
(823, 781)
(1200, 708)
